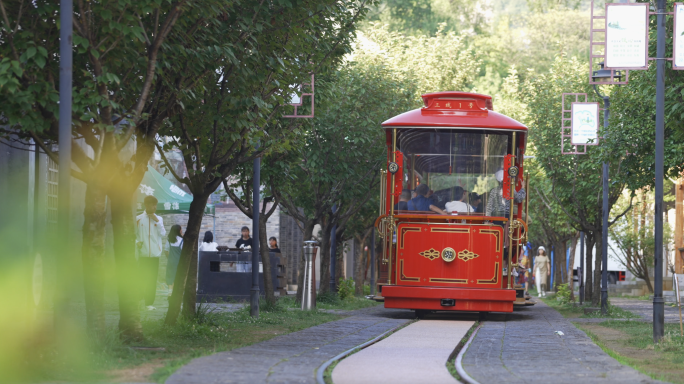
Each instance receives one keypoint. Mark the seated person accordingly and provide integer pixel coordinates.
(421, 202)
(402, 205)
(459, 205)
(475, 201)
(440, 198)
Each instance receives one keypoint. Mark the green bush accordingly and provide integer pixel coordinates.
(345, 289)
(564, 294)
(366, 290)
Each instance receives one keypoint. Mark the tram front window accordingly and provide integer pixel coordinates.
(459, 168)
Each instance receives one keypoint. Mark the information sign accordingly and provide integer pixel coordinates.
(678, 38)
(585, 123)
(627, 36)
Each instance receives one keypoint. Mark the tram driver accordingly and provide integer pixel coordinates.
(421, 202)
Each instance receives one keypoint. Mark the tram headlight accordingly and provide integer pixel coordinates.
(513, 171)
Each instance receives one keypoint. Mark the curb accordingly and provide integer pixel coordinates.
(320, 372)
(459, 359)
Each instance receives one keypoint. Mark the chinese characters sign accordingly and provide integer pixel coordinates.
(627, 36)
(678, 38)
(585, 122)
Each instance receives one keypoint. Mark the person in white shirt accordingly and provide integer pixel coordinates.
(150, 234)
(208, 244)
(150, 230)
(459, 205)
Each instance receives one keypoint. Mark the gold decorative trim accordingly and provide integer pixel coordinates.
(493, 280)
(430, 254)
(496, 234)
(448, 254)
(452, 230)
(403, 232)
(451, 281)
(403, 277)
(467, 255)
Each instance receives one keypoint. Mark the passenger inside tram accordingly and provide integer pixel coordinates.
(459, 205)
(497, 205)
(421, 202)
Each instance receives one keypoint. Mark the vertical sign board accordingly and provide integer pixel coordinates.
(678, 39)
(585, 123)
(627, 36)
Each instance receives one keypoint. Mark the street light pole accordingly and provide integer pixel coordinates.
(605, 209)
(66, 14)
(580, 273)
(604, 231)
(254, 292)
(658, 303)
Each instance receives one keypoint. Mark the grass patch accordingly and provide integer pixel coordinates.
(172, 346)
(631, 343)
(328, 301)
(573, 310)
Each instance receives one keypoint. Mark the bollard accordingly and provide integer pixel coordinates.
(307, 292)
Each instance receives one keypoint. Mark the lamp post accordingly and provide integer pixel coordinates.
(254, 292)
(600, 75)
(658, 302)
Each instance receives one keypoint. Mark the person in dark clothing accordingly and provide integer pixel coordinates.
(475, 201)
(245, 241)
(422, 203)
(402, 205)
(175, 246)
(273, 245)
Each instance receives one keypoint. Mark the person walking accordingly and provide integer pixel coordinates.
(541, 271)
(175, 247)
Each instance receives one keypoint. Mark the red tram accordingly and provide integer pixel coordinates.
(451, 225)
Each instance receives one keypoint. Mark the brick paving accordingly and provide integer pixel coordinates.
(291, 358)
(522, 347)
(644, 308)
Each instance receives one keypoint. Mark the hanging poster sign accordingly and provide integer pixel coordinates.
(678, 39)
(585, 123)
(627, 36)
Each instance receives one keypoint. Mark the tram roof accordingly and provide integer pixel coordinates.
(455, 110)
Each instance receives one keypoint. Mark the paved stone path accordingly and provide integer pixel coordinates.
(291, 358)
(522, 347)
(418, 354)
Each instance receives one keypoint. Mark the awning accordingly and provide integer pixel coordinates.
(172, 199)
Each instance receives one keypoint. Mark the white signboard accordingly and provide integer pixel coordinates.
(585, 123)
(678, 38)
(627, 36)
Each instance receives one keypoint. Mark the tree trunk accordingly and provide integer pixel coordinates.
(186, 274)
(589, 252)
(123, 226)
(559, 258)
(93, 254)
(571, 267)
(596, 297)
(325, 257)
(266, 258)
(308, 233)
(360, 264)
